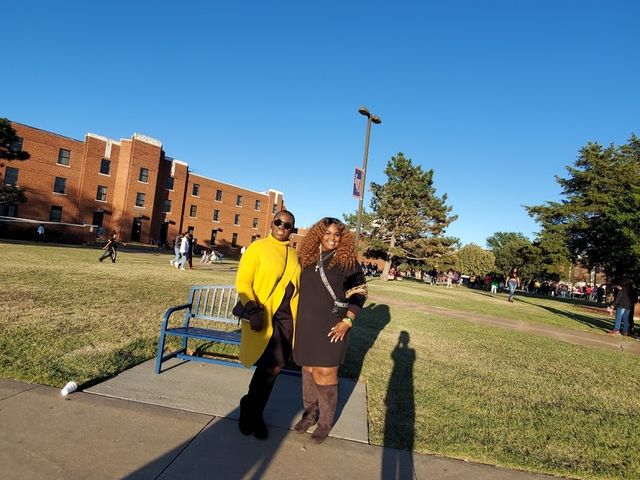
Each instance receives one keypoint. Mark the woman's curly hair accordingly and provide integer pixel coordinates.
(345, 256)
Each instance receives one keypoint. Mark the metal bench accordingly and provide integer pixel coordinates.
(207, 303)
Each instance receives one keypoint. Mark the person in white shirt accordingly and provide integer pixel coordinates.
(184, 251)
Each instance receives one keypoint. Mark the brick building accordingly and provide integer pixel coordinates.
(130, 186)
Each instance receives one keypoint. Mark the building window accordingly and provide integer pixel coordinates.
(166, 206)
(275, 208)
(16, 145)
(105, 166)
(193, 211)
(144, 175)
(196, 190)
(11, 176)
(170, 182)
(9, 210)
(214, 236)
(139, 199)
(102, 193)
(255, 223)
(254, 238)
(218, 195)
(60, 185)
(236, 219)
(56, 214)
(257, 205)
(216, 215)
(64, 157)
(234, 240)
(239, 200)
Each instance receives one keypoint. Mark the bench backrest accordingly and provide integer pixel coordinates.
(214, 302)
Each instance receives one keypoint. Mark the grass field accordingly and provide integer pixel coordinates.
(434, 385)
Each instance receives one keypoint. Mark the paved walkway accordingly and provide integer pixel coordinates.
(92, 436)
(577, 337)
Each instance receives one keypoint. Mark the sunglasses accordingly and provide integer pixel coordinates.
(286, 225)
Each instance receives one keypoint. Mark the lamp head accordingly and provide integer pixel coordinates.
(364, 111)
(376, 119)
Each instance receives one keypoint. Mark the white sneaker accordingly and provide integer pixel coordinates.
(182, 268)
(177, 265)
(171, 262)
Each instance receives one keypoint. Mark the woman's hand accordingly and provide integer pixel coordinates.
(338, 331)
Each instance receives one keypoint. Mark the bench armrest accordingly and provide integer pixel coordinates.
(167, 314)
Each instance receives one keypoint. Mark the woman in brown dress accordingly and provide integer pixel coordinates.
(332, 293)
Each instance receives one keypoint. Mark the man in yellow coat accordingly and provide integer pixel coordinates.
(267, 283)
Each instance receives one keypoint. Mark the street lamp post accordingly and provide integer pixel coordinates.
(370, 119)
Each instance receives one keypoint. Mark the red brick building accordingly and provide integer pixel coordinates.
(130, 186)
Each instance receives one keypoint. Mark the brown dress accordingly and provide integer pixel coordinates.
(312, 346)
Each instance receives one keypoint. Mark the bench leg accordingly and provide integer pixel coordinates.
(160, 350)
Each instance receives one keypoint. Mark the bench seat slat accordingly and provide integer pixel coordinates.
(205, 334)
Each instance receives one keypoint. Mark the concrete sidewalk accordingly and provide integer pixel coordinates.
(92, 436)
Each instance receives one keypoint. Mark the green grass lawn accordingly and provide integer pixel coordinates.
(450, 387)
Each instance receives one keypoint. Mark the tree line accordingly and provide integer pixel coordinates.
(595, 224)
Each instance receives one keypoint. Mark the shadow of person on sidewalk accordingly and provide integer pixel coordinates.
(399, 422)
(217, 451)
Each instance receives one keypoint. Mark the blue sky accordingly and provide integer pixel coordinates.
(496, 97)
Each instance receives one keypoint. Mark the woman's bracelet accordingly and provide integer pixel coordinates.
(348, 321)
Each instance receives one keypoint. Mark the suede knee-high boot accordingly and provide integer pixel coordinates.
(309, 402)
(253, 403)
(327, 401)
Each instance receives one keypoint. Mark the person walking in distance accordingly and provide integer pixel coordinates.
(624, 305)
(513, 281)
(40, 233)
(111, 248)
(184, 251)
(192, 250)
(267, 283)
(176, 249)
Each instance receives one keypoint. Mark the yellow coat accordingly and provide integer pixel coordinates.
(260, 266)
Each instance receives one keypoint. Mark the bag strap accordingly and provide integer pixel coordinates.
(326, 283)
(286, 260)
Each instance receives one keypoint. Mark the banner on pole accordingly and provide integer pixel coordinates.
(357, 183)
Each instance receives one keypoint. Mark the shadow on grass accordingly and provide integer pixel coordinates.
(399, 422)
(362, 336)
(371, 321)
(591, 322)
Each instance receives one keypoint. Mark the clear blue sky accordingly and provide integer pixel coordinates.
(495, 96)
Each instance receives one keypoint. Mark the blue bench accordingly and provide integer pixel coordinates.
(207, 304)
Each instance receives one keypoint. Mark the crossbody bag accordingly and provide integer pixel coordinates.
(339, 308)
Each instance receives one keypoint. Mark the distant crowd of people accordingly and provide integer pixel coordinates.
(186, 247)
(620, 297)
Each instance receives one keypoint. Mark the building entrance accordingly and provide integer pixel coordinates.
(136, 229)
(164, 233)
(98, 219)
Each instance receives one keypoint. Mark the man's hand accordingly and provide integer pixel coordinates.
(255, 316)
